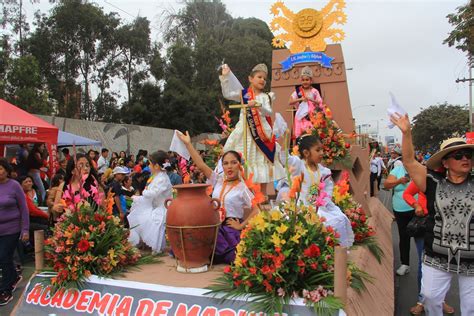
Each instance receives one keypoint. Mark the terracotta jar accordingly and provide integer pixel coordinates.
(192, 222)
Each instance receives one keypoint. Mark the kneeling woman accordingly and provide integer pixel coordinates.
(234, 196)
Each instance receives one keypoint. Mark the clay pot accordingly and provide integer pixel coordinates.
(192, 222)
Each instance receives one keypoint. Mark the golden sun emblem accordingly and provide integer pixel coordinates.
(308, 28)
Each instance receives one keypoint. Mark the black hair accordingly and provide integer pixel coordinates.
(90, 150)
(65, 151)
(104, 150)
(55, 181)
(233, 153)
(305, 142)
(4, 163)
(159, 157)
(21, 179)
(70, 167)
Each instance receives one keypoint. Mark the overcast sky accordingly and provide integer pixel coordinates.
(391, 46)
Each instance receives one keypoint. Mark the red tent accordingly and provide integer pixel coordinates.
(20, 127)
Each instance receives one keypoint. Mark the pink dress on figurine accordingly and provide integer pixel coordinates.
(302, 117)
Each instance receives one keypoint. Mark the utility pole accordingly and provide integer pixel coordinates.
(470, 80)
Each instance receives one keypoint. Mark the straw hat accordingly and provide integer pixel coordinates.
(447, 146)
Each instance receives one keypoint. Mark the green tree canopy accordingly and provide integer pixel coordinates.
(437, 123)
(462, 36)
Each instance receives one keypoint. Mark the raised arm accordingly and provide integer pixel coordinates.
(186, 139)
(231, 87)
(415, 169)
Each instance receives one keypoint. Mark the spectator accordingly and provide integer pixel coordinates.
(21, 160)
(376, 167)
(449, 237)
(14, 224)
(175, 179)
(38, 218)
(119, 174)
(398, 181)
(91, 154)
(122, 155)
(395, 158)
(62, 161)
(34, 163)
(114, 155)
(65, 151)
(103, 163)
(55, 193)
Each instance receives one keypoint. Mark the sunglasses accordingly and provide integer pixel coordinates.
(458, 155)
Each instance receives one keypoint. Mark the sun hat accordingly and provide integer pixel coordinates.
(120, 170)
(397, 149)
(447, 146)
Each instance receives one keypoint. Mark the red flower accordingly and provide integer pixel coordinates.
(253, 270)
(278, 280)
(266, 270)
(300, 263)
(83, 245)
(98, 217)
(278, 249)
(314, 265)
(363, 218)
(354, 224)
(312, 251)
(237, 283)
(227, 269)
(248, 283)
(267, 285)
(347, 145)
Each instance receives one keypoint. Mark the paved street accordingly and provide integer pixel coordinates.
(406, 289)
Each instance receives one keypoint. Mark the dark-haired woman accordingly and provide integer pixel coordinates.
(234, 196)
(53, 201)
(14, 224)
(148, 213)
(81, 183)
(317, 186)
(34, 163)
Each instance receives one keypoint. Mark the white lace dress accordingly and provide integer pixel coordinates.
(147, 216)
(264, 171)
(331, 212)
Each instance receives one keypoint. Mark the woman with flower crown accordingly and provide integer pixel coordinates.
(234, 196)
(317, 186)
(307, 100)
(147, 218)
(262, 148)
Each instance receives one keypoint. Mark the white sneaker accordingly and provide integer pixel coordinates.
(404, 269)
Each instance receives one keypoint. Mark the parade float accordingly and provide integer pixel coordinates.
(288, 261)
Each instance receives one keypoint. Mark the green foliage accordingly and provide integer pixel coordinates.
(462, 36)
(437, 123)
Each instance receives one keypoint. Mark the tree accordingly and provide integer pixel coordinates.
(134, 43)
(24, 86)
(462, 37)
(437, 123)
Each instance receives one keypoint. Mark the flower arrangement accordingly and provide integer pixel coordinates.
(364, 234)
(335, 148)
(284, 254)
(88, 240)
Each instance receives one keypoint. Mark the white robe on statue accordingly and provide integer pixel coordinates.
(264, 171)
(331, 212)
(147, 216)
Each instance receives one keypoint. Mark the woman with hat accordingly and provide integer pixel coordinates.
(449, 236)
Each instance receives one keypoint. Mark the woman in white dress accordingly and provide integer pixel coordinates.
(147, 216)
(308, 164)
(234, 196)
(262, 158)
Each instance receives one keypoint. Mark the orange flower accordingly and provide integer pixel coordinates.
(259, 197)
(109, 202)
(210, 142)
(296, 186)
(226, 117)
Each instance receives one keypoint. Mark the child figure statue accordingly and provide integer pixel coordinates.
(262, 148)
(307, 100)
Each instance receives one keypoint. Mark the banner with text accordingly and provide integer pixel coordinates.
(117, 297)
(307, 57)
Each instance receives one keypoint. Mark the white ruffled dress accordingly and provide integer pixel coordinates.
(331, 212)
(147, 216)
(264, 171)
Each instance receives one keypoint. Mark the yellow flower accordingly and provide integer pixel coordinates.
(296, 238)
(276, 215)
(111, 254)
(300, 230)
(240, 247)
(282, 229)
(238, 261)
(259, 222)
(277, 241)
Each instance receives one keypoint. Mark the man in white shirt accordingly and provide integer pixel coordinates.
(376, 166)
(103, 163)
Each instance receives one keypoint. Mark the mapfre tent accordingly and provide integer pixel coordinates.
(20, 127)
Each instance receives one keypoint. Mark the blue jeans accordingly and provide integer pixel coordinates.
(8, 244)
(420, 244)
